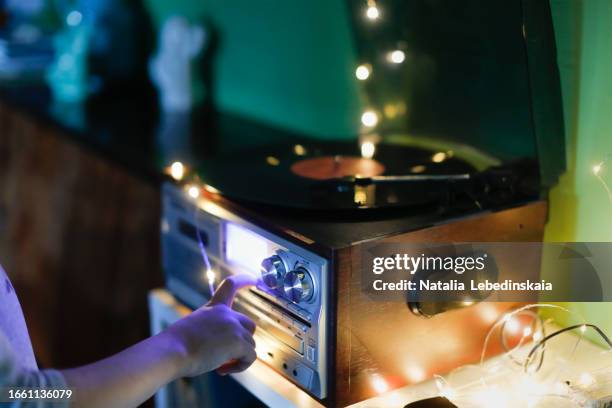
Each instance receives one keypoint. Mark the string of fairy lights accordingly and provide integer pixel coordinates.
(521, 387)
(370, 117)
(517, 378)
(178, 171)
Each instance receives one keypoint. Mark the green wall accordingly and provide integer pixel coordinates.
(580, 207)
(299, 35)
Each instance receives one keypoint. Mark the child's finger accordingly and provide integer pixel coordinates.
(227, 289)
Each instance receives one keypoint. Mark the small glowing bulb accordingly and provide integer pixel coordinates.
(416, 374)
(391, 110)
(177, 170)
(537, 336)
(369, 118)
(583, 328)
(448, 393)
(597, 169)
(193, 192)
(396, 57)
(438, 157)
(272, 161)
(210, 275)
(360, 197)
(512, 325)
(526, 331)
(362, 72)
(372, 12)
(367, 150)
(586, 380)
(379, 384)
(444, 389)
(299, 150)
(211, 189)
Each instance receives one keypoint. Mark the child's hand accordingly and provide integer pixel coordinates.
(215, 335)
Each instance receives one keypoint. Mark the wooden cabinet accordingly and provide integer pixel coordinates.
(79, 237)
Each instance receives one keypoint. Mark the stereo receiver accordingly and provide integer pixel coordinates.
(289, 306)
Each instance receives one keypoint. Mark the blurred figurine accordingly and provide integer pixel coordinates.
(68, 75)
(171, 69)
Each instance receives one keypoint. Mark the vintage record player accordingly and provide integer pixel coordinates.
(464, 152)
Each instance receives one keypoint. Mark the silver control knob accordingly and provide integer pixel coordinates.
(273, 271)
(298, 285)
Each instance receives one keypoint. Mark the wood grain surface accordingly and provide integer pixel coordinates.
(385, 340)
(79, 237)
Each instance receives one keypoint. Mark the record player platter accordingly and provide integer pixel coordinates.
(336, 175)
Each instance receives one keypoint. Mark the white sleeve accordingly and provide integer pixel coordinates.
(13, 375)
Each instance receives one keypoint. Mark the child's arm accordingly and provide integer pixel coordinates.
(203, 341)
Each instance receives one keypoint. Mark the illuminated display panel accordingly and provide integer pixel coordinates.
(244, 248)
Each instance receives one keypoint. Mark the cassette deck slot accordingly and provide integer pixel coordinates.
(281, 309)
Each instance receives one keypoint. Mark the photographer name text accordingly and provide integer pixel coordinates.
(507, 285)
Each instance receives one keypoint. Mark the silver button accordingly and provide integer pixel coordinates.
(310, 353)
(300, 326)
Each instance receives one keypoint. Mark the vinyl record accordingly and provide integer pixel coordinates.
(333, 176)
